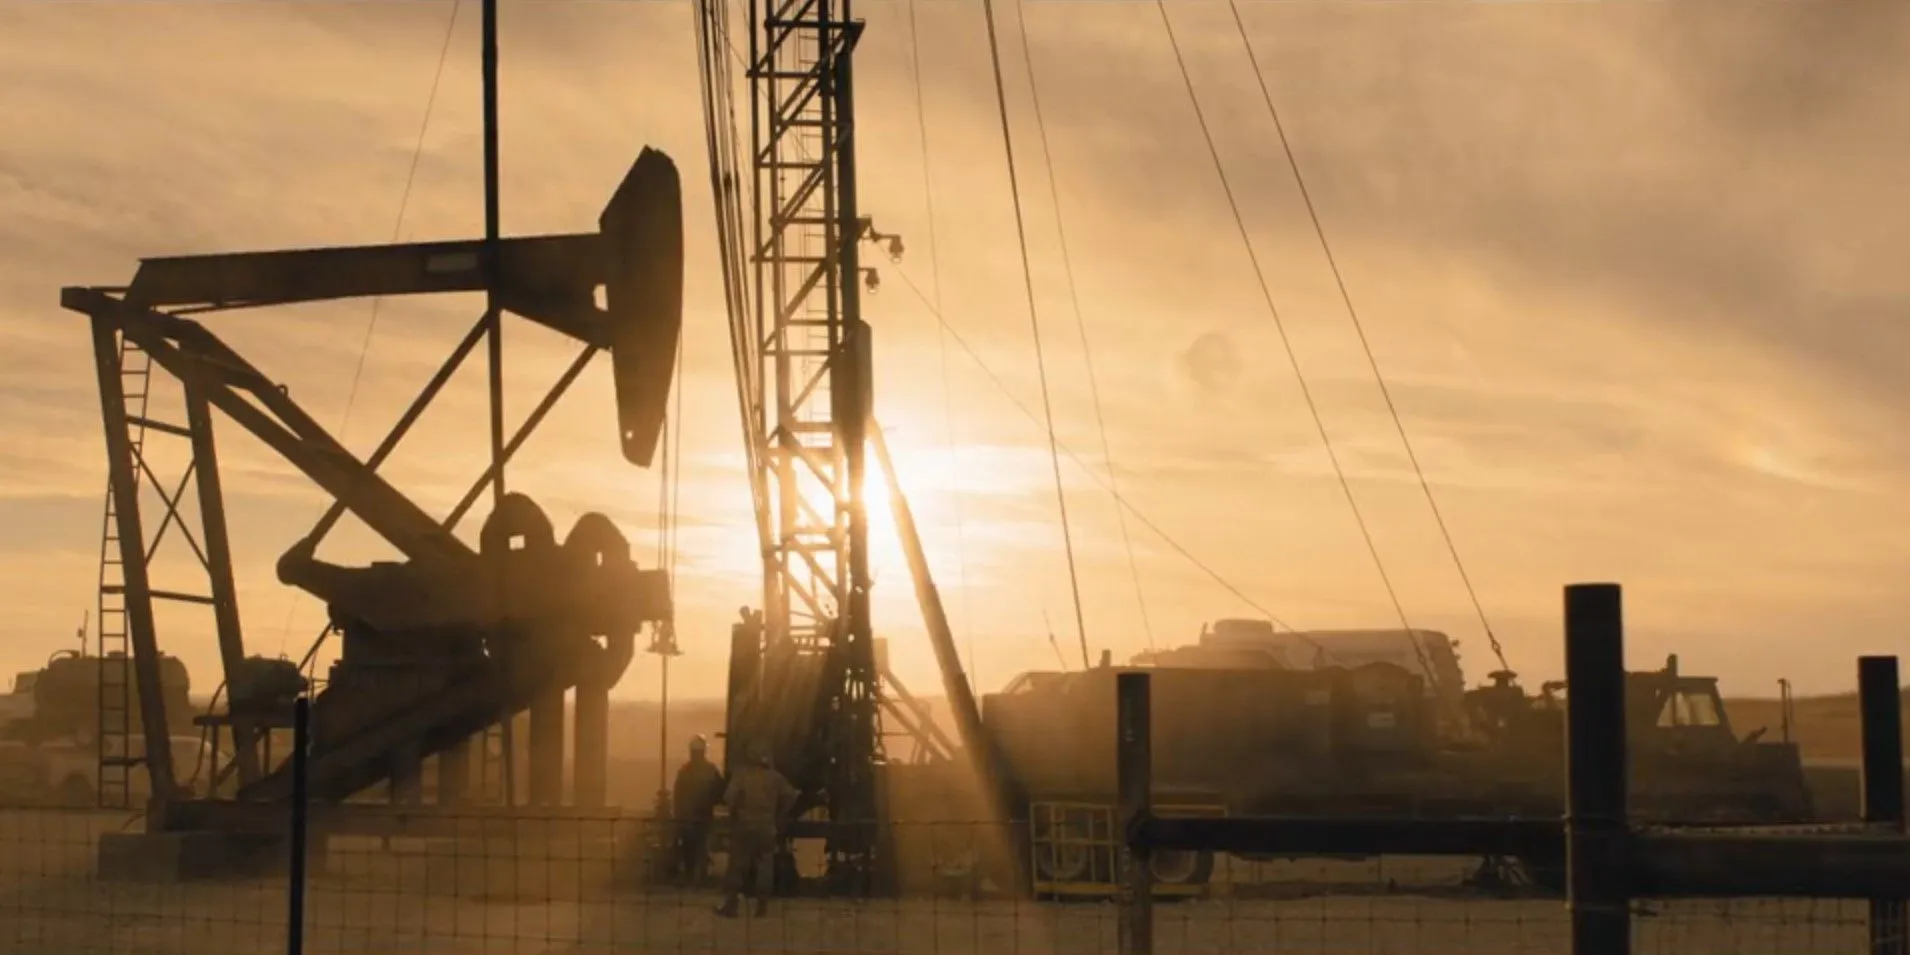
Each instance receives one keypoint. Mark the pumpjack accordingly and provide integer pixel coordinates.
(450, 640)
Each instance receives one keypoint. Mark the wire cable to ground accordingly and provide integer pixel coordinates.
(949, 436)
(397, 232)
(1119, 498)
(1359, 328)
(1080, 323)
(1034, 321)
(1286, 343)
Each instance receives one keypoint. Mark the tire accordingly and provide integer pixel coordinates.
(1180, 867)
(1068, 861)
(1544, 872)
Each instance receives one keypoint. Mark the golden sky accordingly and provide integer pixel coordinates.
(1633, 272)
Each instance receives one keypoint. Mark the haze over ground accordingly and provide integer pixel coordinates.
(1631, 271)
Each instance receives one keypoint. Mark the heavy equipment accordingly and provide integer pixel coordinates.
(1238, 731)
(1688, 762)
(50, 730)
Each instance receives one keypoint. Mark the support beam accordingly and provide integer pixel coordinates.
(132, 547)
(225, 594)
(407, 774)
(200, 360)
(590, 766)
(454, 773)
(547, 749)
(398, 431)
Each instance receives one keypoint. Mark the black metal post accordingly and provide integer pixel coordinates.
(1134, 766)
(494, 327)
(1880, 697)
(1595, 774)
(301, 749)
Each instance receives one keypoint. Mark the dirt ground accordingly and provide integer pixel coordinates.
(451, 900)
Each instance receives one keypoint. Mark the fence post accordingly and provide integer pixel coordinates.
(1134, 759)
(301, 747)
(1596, 775)
(1879, 694)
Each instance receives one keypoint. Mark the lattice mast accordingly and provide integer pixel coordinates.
(814, 380)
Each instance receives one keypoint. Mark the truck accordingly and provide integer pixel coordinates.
(50, 731)
(1238, 730)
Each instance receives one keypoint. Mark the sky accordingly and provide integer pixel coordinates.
(1631, 273)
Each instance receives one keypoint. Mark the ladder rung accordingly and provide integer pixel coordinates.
(164, 595)
(146, 422)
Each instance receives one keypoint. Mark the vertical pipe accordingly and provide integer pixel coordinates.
(746, 652)
(1784, 702)
(454, 772)
(493, 228)
(1134, 759)
(488, 63)
(1880, 697)
(494, 320)
(593, 743)
(407, 774)
(663, 726)
(301, 747)
(507, 759)
(1596, 773)
(851, 389)
(547, 748)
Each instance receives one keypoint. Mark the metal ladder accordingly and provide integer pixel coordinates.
(117, 756)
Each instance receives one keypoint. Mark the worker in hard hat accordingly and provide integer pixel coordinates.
(759, 801)
(699, 787)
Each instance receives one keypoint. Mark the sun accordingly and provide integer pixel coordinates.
(887, 558)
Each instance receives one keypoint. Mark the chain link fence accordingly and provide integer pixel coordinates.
(561, 884)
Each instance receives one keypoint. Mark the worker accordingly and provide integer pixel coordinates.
(759, 801)
(699, 787)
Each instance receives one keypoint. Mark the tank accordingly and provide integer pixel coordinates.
(49, 752)
(1222, 734)
(66, 698)
(1429, 653)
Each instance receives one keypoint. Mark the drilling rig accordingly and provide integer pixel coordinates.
(803, 678)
